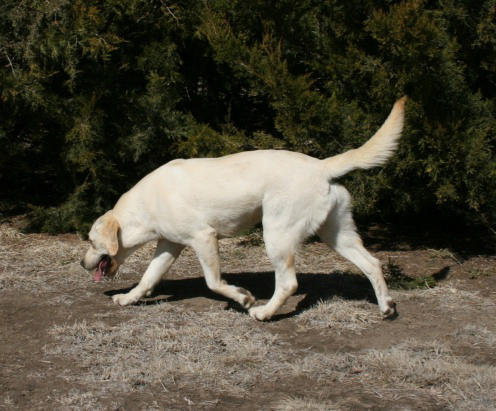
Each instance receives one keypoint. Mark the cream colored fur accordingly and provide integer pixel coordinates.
(198, 201)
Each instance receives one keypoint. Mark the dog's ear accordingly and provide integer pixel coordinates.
(109, 232)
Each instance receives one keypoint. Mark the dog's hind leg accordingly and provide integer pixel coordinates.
(353, 250)
(165, 254)
(206, 247)
(282, 257)
(339, 232)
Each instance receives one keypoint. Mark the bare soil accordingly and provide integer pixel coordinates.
(65, 346)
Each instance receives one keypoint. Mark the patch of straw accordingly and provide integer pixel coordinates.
(340, 315)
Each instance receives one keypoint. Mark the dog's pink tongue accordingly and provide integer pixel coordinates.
(98, 273)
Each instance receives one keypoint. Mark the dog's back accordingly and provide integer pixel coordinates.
(233, 192)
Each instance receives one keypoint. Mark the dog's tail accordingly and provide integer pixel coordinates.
(374, 152)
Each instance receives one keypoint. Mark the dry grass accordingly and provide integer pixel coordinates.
(293, 403)
(202, 358)
(451, 298)
(81, 401)
(228, 353)
(431, 367)
(413, 369)
(476, 336)
(340, 315)
(8, 233)
(163, 345)
(39, 263)
(447, 298)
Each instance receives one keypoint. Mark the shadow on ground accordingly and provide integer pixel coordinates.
(314, 287)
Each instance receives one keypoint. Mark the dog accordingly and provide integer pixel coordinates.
(198, 201)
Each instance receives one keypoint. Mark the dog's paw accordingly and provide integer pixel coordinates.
(248, 299)
(390, 310)
(122, 299)
(259, 313)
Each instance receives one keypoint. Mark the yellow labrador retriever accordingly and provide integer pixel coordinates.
(197, 201)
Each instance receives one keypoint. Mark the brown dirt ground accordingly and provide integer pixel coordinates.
(42, 288)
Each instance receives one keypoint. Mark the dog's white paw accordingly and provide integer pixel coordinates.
(259, 313)
(248, 300)
(389, 310)
(122, 299)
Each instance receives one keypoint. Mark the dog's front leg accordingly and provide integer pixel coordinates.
(207, 249)
(165, 254)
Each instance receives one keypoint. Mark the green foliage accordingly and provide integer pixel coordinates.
(329, 79)
(398, 280)
(95, 94)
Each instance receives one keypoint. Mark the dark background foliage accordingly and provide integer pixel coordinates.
(95, 94)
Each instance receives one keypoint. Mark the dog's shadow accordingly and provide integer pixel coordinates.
(314, 287)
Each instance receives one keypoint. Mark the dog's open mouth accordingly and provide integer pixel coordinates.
(103, 268)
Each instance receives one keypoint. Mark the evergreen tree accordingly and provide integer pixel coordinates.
(97, 94)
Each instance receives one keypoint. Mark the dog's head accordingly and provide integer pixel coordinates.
(104, 247)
